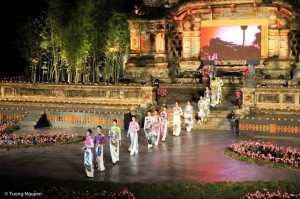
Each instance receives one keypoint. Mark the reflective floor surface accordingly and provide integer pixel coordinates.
(194, 157)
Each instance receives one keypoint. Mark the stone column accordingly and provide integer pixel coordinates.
(273, 42)
(249, 97)
(283, 43)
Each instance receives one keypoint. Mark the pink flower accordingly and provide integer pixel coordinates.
(205, 70)
(162, 92)
(245, 71)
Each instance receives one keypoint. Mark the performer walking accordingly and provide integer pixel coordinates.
(189, 116)
(177, 112)
(156, 127)
(88, 154)
(99, 142)
(207, 99)
(213, 87)
(114, 142)
(148, 125)
(201, 110)
(219, 89)
(133, 132)
(164, 115)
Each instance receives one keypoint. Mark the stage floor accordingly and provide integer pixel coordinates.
(194, 157)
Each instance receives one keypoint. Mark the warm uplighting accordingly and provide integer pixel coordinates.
(255, 7)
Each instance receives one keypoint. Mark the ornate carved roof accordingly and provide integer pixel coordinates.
(158, 9)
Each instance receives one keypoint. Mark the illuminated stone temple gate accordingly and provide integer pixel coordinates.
(167, 37)
(173, 39)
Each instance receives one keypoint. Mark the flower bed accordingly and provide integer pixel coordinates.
(267, 152)
(10, 140)
(268, 194)
(66, 193)
(8, 128)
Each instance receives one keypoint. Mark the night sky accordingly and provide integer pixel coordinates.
(14, 12)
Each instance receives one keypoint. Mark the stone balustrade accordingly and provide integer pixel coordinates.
(120, 94)
(273, 97)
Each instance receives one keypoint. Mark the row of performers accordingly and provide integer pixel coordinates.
(155, 128)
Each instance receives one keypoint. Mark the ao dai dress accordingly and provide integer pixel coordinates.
(114, 143)
(177, 111)
(189, 117)
(88, 156)
(99, 142)
(133, 133)
(148, 128)
(202, 104)
(156, 128)
(164, 124)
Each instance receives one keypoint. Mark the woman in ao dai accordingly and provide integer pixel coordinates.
(133, 133)
(207, 97)
(99, 142)
(164, 115)
(156, 127)
(201, 110)
(219, 89)
(148, 125)
(213, 87)
(88, 154)
(189, 116)
(177, 112)
(114, 142)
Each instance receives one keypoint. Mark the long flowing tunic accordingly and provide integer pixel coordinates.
(133, 133)
(114, 143)
(219, 90)
(156, 128)
(148, 128)
(202, 104)
(189, 117)
(177, 112)
(164, 124)
(99, 142)
(213, 87)
(88, 156)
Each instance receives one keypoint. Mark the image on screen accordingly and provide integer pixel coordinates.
(231, 43)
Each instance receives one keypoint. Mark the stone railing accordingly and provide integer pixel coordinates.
(272, 97)
(120, 94)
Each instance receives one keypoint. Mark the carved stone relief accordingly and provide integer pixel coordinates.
(114, 94)
(268, 98)
(30, 91)
(129, 94)
(84, 93)
(289, 99)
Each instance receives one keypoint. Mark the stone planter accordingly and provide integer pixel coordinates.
(161, 100)
(205, 79)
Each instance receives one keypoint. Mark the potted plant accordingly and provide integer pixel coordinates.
(161, 93)
(245, 72)
(205, 71)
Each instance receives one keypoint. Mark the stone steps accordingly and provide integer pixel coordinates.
(218, 117)
(192, 92)
(215, 120)
(31, 118)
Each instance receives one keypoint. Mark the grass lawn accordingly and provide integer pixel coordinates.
(149, 190)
